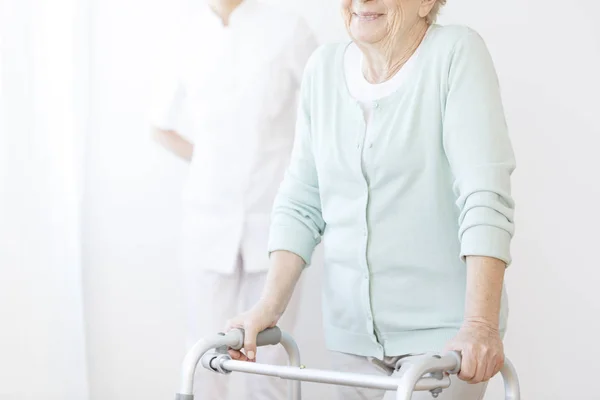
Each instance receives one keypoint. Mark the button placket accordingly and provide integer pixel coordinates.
(365, 141)
(370, 137)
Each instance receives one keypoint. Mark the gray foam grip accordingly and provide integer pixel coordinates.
(269, 337)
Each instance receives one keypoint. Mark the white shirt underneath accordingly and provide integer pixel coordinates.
(363, 91)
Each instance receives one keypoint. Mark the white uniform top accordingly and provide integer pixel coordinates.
(236, 88)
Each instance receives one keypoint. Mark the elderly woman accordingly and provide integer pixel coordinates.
(402, 163)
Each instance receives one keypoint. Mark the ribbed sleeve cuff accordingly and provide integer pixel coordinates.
(297, 239)
(486, 241)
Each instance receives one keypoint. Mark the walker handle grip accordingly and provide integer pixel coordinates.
(268, 337)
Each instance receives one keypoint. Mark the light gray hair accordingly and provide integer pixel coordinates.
(433, 14)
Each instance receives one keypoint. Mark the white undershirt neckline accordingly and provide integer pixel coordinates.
(362, 90)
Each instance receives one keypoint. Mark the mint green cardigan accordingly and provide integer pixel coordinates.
(399, 212)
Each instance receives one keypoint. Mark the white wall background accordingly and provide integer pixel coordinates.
(131, 213)
(42, 348)
(548, 57)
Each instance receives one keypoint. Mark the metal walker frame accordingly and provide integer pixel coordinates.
(423, 373)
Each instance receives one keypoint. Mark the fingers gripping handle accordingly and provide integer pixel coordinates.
(509, 376)
(268, 337)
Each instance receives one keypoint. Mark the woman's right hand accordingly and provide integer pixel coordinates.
(253, 321)
(283, 275)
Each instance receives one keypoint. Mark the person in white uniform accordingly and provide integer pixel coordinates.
(236, 89)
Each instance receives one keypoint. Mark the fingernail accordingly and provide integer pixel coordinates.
(251, 355)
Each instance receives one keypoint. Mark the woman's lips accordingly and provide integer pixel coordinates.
(367, 16)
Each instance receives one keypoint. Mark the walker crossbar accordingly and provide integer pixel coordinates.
(422, 373)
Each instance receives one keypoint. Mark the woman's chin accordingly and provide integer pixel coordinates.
(366, 34)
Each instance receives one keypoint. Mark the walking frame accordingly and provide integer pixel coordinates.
(422, 373)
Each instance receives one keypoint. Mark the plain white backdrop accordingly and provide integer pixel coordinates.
(89, 294)
(42, 113)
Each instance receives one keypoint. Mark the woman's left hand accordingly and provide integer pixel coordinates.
(482, 351)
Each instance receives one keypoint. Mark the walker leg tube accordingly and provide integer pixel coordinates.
(511, 381)
(291, 348)
(408, 383)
